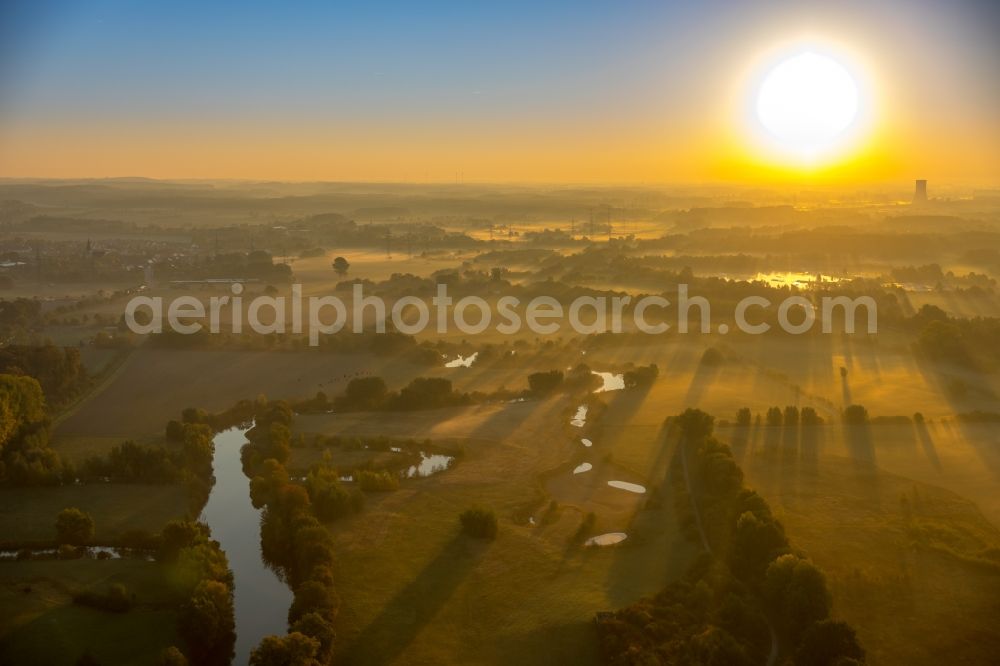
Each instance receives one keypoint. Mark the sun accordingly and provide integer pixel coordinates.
(807, 104)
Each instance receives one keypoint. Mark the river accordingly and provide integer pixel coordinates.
(260, 597)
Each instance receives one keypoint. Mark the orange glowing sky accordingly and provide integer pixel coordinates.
(587, 92)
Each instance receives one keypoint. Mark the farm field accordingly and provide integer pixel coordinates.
(29, 514)
(437, 598)
(904, 559)
(41, 625)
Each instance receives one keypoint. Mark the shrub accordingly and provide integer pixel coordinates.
(641, 376)
(330, 499)
(116, 600)
(377, 481)
(712, 356)
(479, 523)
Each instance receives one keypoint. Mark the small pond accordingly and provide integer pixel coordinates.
(610, 382)
(630, 487)
(609, 539)
(462, 361)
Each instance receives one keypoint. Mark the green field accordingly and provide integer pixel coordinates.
(39, 624)
(29, 514)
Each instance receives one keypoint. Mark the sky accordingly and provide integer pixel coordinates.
(573, 92)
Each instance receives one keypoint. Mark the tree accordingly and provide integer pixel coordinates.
(171, 657)
(542, 383)
(276, 411)
(943, 341)
(25, 455)
(581, 377)
(198, 449)
(365, 393)
(279, 442)
(810, 417)
(21, 405)
(791, 416)
(743, 417)
(855, 415)
(313, 596)
(74, 527)
(774, 417)
(313, 549)
(716, 646)
(829, 643)
(177, 534)
(270, 478)
(295, 649)
(426, 393)
(315, 626)
(329, 498)
(695, 425)
(341, 265)
(796, 592)
(193, 415)
(756, 541)
(206, 623)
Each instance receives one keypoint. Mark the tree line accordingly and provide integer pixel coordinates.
(748, 585)
(25, 456)
(294, 539)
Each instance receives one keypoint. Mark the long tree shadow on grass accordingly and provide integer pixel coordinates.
(809, 450)
(657, 550)
(927, 442)
(859, 443)
(574, 643)
(703, 378)
(845, 388)
(980, 436)
(404, 616)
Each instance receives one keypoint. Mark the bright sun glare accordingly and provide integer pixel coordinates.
(807, 102)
